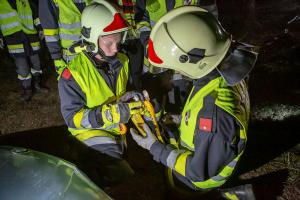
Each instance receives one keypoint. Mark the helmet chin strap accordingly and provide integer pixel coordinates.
(105, 57)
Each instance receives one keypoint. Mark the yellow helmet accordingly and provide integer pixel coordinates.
(189, 40)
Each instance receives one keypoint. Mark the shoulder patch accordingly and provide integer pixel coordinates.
(205, 124)
(66, 74)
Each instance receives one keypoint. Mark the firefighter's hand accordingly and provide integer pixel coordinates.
(59, 64)
(120, 112)
(132, 96)
(1, 43)
(145, 142)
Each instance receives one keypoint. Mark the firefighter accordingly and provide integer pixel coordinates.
(92, 87)
(61, 23)
(213, 127)
(147, 14)
(19, 28)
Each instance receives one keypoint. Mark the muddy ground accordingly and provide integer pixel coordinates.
(271, 162)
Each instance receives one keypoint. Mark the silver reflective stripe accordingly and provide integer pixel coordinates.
(144, 29)
(218, 178)
(85, 122)
(70, 26)
(36, 48)
(29, 26)
(110, 127)
(232, 164)
(33, 71)
(11, 25)
(53, 38)
(99, 140)
(25, 16)
(69, 37)
(78, 1)
(172, 157)
(7, 15)
(16, 50)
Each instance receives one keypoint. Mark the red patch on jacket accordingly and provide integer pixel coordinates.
(66, 74)
(205, 124)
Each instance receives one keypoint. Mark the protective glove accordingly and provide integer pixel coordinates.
(59, 64)
(120, 112)
(145, 142)
(41, 35)
(132, 96)
(1, 43)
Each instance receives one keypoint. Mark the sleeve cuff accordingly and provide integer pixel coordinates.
(56, 56)
(156, 150)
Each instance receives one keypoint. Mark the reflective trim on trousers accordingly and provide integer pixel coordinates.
(24, 78)
(8, 15)
(16, 50)
(35, 48)
(33, 71)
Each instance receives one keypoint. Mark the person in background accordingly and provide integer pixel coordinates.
(61, 25)
(20, 29)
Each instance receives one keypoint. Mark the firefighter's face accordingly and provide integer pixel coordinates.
(110, 43)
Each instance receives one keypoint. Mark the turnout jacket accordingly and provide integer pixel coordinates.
(213, 127)
(19, 25)
(61, 23)
(84, 92)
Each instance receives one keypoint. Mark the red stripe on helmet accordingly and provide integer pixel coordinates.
(116, 24)
(151, 53)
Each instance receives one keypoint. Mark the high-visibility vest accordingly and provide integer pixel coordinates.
(157, 9)
(86, 75)
(235, 101)
(69, 21)
(12, 21)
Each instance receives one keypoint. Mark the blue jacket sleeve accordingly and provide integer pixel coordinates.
(48, 13)
(73, 101)
(213, 150)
